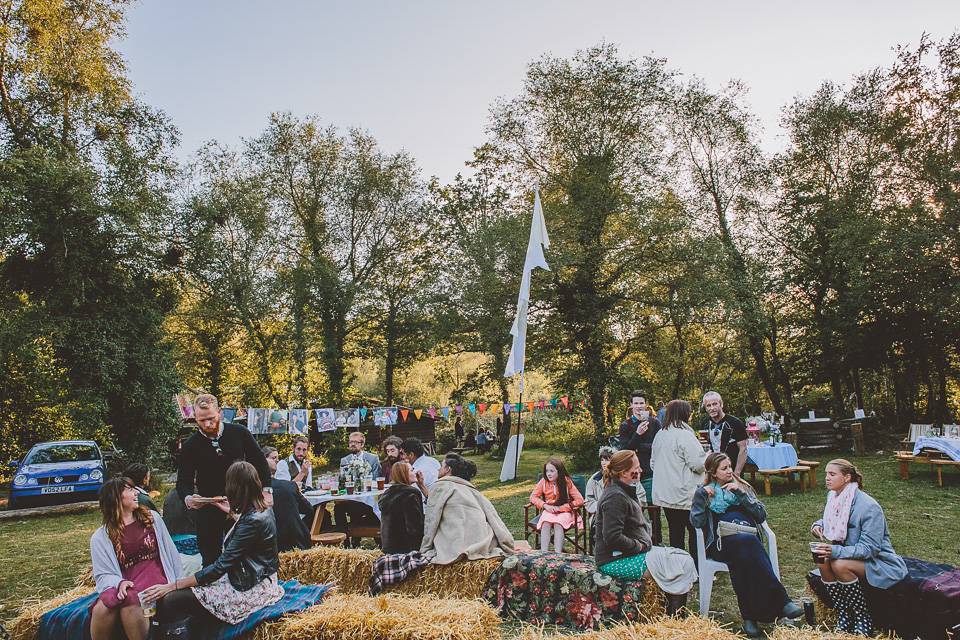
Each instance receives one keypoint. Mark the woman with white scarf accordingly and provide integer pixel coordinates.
(856, 545)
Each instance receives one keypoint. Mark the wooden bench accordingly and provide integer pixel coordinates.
(939, 464)
(787, 472)
(906, 457)
(813, 470)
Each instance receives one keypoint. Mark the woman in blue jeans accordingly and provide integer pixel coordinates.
(723, 496)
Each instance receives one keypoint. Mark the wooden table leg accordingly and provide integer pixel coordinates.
(766, 485)
(803, 482)
(939, 475)
(813, 477)
(904, 470)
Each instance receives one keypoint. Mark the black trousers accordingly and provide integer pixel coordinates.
(179, 604)
(760, 595)
(211, 525)
(678, 520)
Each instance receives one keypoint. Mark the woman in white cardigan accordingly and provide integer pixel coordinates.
(677, 460)
(130, 552)
(460, 521)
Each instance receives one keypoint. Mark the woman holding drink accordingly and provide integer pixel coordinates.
(130, 552)
(244, 579)
(855, 545)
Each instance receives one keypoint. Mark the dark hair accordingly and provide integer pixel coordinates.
(460, 466)
(136, 472)
(678, 412)
(111, 494)
(412, 445)
(639, 393)
(394, 440)
(562, 496)
(244, 490)
(847, 468)
(619, 462)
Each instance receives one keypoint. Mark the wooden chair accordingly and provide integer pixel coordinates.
(579, 537)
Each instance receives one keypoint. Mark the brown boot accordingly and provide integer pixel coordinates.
(675, 603)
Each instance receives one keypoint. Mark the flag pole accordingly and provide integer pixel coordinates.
(516, 449)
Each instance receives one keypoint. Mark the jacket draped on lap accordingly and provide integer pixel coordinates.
(462, 523)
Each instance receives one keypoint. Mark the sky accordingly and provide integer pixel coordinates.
(421, 75)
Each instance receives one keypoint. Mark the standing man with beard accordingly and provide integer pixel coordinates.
(637, 433)
(725, 433)
(202, 472)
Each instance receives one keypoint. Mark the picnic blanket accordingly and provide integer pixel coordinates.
(393, 568)
(72, 620)
(910, 608)
(186, 544)
(543, 587)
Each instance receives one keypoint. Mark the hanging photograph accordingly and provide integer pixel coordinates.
(182, 401)
(277, 422)
(257, 420)
(348, 417)
(298, 421)
(384, 416)
(229, 415)
(326, 420)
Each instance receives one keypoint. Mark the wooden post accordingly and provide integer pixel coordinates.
(859, 448)
(793, 439)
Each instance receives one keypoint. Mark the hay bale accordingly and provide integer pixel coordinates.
(464, 579)
(349, 568)
(85, 577)
(24, 627)
(826, 616)
(387, 617)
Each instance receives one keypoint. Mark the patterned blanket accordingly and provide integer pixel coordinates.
(72, 620)
(543, 587)
(905, 607)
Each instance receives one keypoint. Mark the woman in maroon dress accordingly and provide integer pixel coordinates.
(130, 552)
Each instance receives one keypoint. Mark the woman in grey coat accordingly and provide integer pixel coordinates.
(856, 546)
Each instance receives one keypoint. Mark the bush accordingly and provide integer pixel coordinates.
(446, 439)
(569, 433)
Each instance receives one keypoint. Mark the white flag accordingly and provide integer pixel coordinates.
(534, 259)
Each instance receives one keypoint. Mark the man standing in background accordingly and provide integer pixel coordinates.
(725, 433)
(637, 433)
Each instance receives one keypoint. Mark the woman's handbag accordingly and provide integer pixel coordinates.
(727, 528)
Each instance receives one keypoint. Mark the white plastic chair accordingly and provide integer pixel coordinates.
(708, 568)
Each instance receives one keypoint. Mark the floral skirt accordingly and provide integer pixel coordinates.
(226, 603)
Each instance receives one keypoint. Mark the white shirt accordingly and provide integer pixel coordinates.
(428, 467)
(283, 471)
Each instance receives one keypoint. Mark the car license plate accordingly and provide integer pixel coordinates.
(64, 489)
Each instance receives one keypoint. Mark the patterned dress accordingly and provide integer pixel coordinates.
(226, 603)
(139, 559)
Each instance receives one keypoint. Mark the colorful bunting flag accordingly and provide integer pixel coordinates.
(433, 412)
(417, 413)
(404, 413)
(563, 399)
(363, 413)
(530, 407)
(553, 402)
(459, 409)
(507, 407)
(482, 407)
(540, 404)
(472, 408)
(446, 413)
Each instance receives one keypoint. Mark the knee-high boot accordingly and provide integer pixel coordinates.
(178, 630)
(840, 605)
(861, 623)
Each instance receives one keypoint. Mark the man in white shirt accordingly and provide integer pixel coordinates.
(297, 468)
(425, 466)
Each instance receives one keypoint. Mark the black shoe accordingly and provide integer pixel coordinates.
(179, 630)
(751, 629)
(791, 610)
(675, 604)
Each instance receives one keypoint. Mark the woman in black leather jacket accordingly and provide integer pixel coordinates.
(244, 579)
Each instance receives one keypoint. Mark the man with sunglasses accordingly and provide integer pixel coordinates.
(204, 459)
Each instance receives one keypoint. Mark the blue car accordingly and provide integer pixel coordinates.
(61, 471)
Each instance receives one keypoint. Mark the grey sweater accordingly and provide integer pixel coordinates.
(868, 539)
(622, 530)
(703, 518)
(106, 568)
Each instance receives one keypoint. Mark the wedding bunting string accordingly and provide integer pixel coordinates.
(296, 421)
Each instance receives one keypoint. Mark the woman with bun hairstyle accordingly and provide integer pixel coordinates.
(460, 522)
(856, 546)
(723, 496)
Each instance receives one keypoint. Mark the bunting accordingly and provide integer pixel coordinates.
(507, 407)
(417, 413)
(563, 399)
(472, 408)
(459, 409)
(446, 413)
(482, 407)
(433, 412)
(404, 413)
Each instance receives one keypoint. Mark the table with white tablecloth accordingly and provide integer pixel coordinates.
(369, 498)
(766, 457)
(949, 446)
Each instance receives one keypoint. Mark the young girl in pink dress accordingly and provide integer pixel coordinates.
(558, 498)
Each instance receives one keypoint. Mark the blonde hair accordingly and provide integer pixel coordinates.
(713, 462)
(205, 401)
(847, 468)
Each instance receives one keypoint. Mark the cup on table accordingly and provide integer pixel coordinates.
(149, 608)
(644, 416)
(350, 488)
(380, 481)
(815, 552)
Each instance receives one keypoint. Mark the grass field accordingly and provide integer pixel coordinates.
(41, 556)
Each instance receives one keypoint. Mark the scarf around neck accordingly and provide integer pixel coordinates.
(836, 514)
(722, 499)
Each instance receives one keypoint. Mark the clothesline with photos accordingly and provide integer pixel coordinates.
(297, 421)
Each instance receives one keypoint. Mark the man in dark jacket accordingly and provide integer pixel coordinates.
(202, 471)
(637, 433)
(293, 512)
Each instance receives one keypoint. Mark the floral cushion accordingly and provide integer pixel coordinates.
(543, 587)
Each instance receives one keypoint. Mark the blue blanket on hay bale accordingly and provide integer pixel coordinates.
(915, 607)
(72, 620)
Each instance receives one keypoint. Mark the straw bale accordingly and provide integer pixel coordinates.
(85, 578)
(464, 579)
(387, 617)
(349, 568)
(25, 626)
(826, 616)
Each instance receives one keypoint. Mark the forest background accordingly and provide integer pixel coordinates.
(307, 266)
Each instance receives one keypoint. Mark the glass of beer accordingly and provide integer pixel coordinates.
(149, 608)
(815, 552)
(349, 487)
(380, 481)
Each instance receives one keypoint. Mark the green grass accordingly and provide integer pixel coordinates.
(41, 556)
